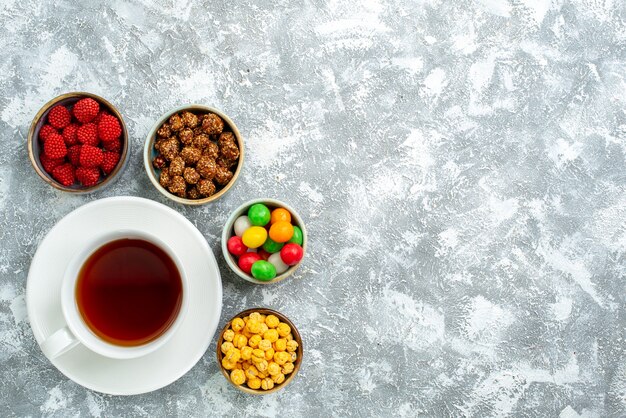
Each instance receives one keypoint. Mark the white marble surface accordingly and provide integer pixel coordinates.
(460, 166)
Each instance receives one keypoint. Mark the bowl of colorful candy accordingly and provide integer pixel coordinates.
(259, 351)
(264, 241)
(78, 143)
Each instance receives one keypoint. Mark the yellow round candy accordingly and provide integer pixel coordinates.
(272, 321)
(281, 231)
(283, 329)
(269, 354)
(233, 355)
(238, 377)
(265, 345)
(227, 364)
(282, 357)
(273, 368)
(278, 378)
(254, 326)
(280, 344)
(264, 328)
(267, 384)
(254, 340)
(229, 334)
(251, 372)
(256, 316)
(262, 365)
(246, 353)
(287, 368)
(271, 335)
(226, 346)
(240, 340)
(254, 237)
(254, 383)
(237, 324)
(292, 345)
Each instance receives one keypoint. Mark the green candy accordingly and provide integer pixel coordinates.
(259, 214)
(263, 270)
(296, 238)
(272, 246)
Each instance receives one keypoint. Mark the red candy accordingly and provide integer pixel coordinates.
(291, 254)
(236, 246)
(264, 254)
(247, 260)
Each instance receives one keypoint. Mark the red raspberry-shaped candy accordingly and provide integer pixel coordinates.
(45, 131)
(90, 156)
(88, 176)
(115, 145)
(59, 117)
(99, 116)
(69, 134)
(110, 161)
(50, 164)
(85, 110)
(88, 134)
(64, 174)
(109, 128)
(54, 147)
(73, 154)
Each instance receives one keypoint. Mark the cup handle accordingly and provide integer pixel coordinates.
(59, 343)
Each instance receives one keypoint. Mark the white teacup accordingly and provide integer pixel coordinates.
(76, 330)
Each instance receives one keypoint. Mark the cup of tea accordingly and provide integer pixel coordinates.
(123, 297)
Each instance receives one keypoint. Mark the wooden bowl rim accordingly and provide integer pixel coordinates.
(296, 336)
(34, 159)
(228, 226)
(149, 145)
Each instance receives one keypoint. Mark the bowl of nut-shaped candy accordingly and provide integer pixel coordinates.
(259, 351)
(193, 154)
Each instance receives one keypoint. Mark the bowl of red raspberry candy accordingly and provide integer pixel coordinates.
(78, 142)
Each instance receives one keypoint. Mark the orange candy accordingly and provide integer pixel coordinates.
(280, 214)
(281, 231)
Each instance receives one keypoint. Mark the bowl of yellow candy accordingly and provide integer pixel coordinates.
(259, 351)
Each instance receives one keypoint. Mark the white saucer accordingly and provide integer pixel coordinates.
(192, 338)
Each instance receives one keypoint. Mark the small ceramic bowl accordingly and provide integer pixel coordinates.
(296, 336)
(228, 232)
(34, 146)
(150, 153)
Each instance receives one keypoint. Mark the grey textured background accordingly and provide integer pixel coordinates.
(460, 166)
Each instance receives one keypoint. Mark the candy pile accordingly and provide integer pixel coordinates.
(259, 351)
(197, 154)
(266, 242)
(80, 143)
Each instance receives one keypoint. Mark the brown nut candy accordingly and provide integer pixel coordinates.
(191, 176)
(190, 154)
(189, 119)
(211, 151)
(201, 141)
(177, 165)
(165, 178)
(169, 148)
(226, 137)
(229, 150)
(178, 186)
(206, 187)
(225, 162)
(176, 123)
(159, 162)
(206, 167)
(164, 131)
(212, 124)
(193, 193)
(223, 175)
(186, 136)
